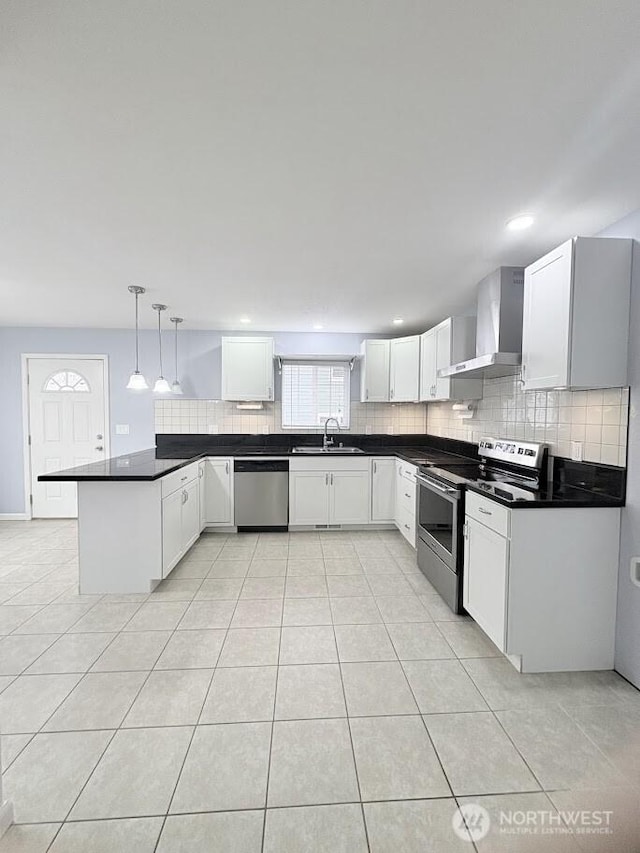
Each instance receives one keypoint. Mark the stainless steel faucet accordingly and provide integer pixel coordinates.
(326, 441)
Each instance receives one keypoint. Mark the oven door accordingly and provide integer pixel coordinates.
(438, 519)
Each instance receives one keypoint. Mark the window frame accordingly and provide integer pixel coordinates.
(318, 363)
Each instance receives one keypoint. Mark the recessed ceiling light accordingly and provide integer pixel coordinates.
(245, 320)
(398, 321)
(318, 326)
(519, 223)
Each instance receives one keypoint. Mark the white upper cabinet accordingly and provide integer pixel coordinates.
(374, 372)
(576, 315)
(404, 369)
(448, 343)
(247, 369)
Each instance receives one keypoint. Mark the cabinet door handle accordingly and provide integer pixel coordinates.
(407, 495)
(407, 526)
(391, 394)
(270, 394)
(326, 479)
(366, 394)
(375, 467)
(332, 479)
(484, 511)
(226, 467)
(182, 479)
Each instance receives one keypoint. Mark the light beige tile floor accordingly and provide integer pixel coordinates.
(290, 693)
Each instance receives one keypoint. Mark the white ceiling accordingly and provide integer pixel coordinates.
(301, 161)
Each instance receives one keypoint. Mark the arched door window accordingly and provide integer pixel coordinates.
(66, 380)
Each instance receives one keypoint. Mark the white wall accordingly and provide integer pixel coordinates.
(200, 355)
(628, 621)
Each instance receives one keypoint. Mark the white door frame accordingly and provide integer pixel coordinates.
(26, 426)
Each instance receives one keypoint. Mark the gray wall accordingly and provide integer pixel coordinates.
(628, 623)
(199, 373)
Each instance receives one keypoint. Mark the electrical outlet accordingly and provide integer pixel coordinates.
(122, 429)
(368, 430)
(577, 449)
(213, 429)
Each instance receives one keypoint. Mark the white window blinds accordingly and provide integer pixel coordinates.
(313, 392)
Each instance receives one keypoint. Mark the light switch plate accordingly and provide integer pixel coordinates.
(122, 429)
(577, 451)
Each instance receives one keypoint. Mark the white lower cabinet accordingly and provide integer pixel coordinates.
(542, 582)
(218, 492)
(383, 490)
(349, 497)
(486, 559)
(308, 497)
(171, 530)
(323, 492)
(180, 521)
(405, 500)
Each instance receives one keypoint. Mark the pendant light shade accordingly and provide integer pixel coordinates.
(137, 382)
(176, 388)
(161, 386)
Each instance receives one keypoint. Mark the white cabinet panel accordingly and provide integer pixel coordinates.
(428, 365)
(171, 530)
(546, 320)
(576, 315)
(218, 491)
(374, 371)
(202, 493)
(383, 475)
(190, 514)
(308, 497)
(247, 369)
(349, 497)
(404, 367)
(448, 343)
(485, 585)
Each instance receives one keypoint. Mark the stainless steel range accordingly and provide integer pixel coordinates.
(508, 469)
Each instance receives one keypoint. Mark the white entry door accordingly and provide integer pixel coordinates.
(67, 426)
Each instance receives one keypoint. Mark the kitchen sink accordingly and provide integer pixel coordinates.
(314, 450)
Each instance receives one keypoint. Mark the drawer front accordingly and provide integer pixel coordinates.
(407, 496)
(407, 526)
(490, 513)
(329, 463)
(407, 471)
(178, 479)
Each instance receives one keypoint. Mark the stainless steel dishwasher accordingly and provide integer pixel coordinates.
(261, 494)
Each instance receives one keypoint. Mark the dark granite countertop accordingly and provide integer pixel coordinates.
(167, 457)
(144, 465)
(576, 484)
(563, 497)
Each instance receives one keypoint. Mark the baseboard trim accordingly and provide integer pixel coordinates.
(6, 816)
(14, 516)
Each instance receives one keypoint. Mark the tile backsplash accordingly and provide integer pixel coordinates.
(597, 419)
(211, 416)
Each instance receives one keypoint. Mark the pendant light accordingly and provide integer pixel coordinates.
(176, 388)
(161, 386)
(137, 382)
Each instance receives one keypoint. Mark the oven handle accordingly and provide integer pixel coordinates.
(430, 484)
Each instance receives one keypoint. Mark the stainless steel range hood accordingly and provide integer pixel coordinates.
(499, 327)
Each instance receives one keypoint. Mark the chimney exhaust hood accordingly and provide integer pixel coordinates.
(499, 327)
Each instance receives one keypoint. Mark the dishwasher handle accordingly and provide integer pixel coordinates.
(260, 466)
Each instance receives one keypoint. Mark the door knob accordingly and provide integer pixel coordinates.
(99, 447)
(99, 437)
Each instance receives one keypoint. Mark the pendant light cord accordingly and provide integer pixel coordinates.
(176, 352)
(137, 354)
(160, 343)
